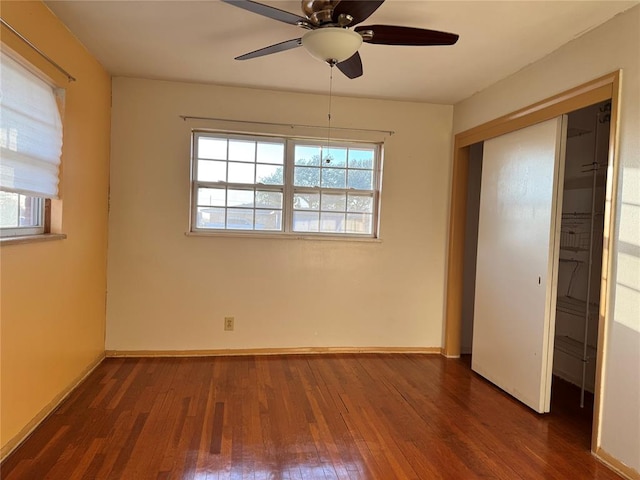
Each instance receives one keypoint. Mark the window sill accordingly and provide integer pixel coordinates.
(45, 237)
(285, 236)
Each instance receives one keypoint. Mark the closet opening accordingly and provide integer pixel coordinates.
(581, 248)
(582, 191)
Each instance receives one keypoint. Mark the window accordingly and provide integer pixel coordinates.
(283, 185)
(21, 214)
(30, 147)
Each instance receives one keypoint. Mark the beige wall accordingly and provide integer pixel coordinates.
(168, 291)
(53, 293)
(613, 45)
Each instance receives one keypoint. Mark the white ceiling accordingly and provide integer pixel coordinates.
(197, 41)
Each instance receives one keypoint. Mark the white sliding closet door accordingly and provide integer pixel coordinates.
(516, 275)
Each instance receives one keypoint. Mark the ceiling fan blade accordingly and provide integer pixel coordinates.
(392, 35)
(360, 10)
(278, 47)
(352, 66)
(267, 11)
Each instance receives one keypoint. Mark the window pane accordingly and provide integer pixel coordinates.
(271, 153)
(209, 171)
(361, 179)
(334, 201)
(359, 223)
(305, 221)
(269, 199)
(20, 211)
(8, 209)
(240, 198)
(241, 182)
(360, 158)
(333, 178)
(239, 219)
(29, 211)
(214, 197)
(360, 203)
(307, 155)
(268, 219)
(332, 222)
(241, 172)
(306, 201)
(337, 158)
(242, 150)
(306, 177)
(269, 175)
(213, 148)
(210, 217)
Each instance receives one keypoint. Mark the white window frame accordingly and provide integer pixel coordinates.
(22, 231)
(287, 188)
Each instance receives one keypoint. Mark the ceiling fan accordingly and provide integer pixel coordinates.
(330, 38)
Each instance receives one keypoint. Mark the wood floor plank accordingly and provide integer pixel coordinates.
(304, 417)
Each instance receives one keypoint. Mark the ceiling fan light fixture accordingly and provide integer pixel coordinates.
(332, 44)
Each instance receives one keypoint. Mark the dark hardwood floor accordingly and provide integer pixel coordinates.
(302, 417)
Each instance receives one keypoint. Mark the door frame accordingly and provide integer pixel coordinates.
(601, 89)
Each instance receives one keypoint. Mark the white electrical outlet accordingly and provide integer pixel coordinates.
(229, 323)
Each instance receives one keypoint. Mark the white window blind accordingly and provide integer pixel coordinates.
(30, 132)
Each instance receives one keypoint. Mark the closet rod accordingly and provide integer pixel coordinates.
(70, 77)
(290, 125)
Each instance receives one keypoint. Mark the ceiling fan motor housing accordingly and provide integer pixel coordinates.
(319, 11)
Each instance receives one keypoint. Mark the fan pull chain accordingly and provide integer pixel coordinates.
(327, 157)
